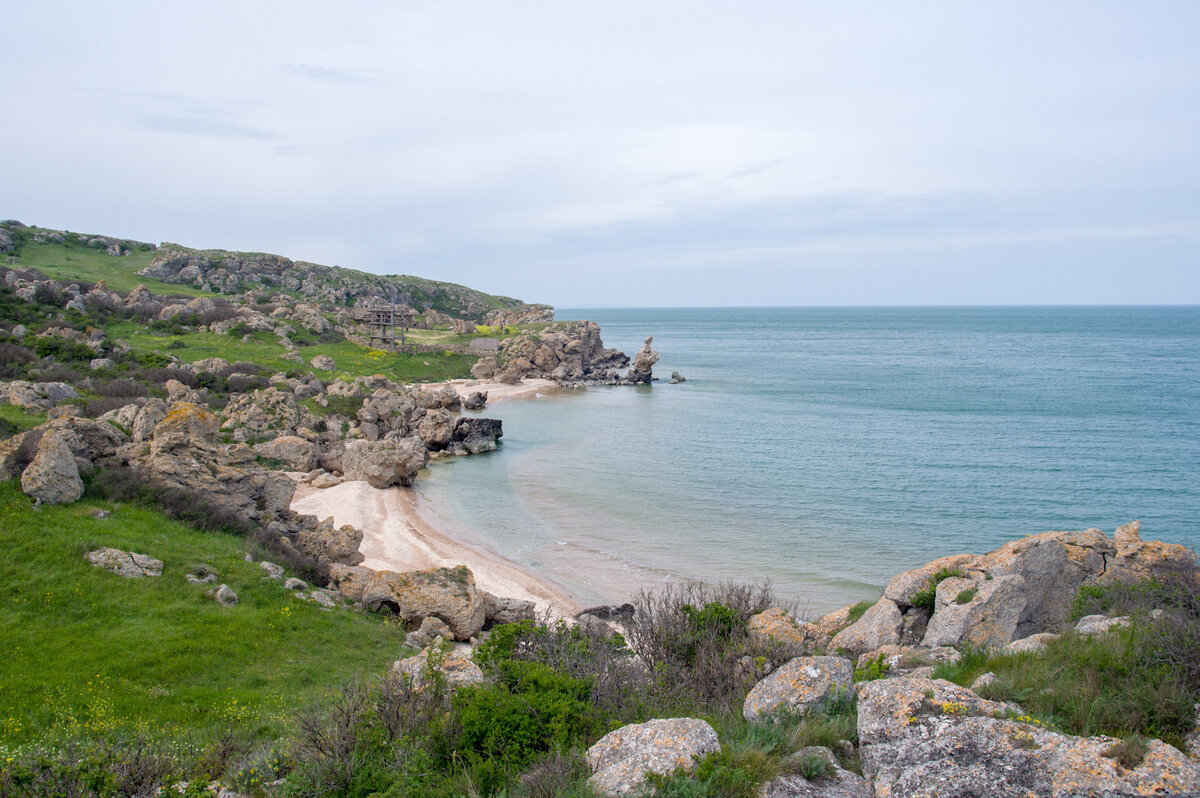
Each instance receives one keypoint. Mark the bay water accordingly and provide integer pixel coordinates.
(826, 449)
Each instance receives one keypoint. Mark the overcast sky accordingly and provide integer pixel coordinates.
(631, 153)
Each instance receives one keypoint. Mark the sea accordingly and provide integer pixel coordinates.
(824, 450)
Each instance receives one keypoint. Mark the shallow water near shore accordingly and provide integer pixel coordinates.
(826, 449)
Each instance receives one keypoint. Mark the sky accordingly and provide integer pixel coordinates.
(631, 153)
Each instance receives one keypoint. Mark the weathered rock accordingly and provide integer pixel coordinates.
(1034, 644)
(350, 580)
(499, 610)
(800, 686)
(53, 475)
(840, 783)
(677, 378)
(260, 411)
(322, 598)
(384, 463)
(643, 362)
(475, 400)
(1099, 624)
(989, 619)
(477, 435)
(225, 596)
(325, 480)
(621, 759)
(903, 587)
(900, 659)
(271, 570)
(293, 452)
(881, 625)
(1137, 559)
(320, 539)
(454, 671)
(292, 583)
(448, 593)
(431, 629)
(777, 629)
(148, 417)
(125, 563)
(436, 429)
(922, 738)
(324, 363)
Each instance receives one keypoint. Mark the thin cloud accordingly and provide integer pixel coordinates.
(199, 125)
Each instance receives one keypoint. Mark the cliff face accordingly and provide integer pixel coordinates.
(234, 272)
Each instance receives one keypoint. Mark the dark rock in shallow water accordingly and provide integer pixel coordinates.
(676, 378)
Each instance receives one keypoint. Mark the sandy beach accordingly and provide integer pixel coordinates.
(402, 532)
(501, 391)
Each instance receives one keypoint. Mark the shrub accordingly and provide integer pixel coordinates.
(62, 350)
(925, 596)
(122, 388)
(694, 635)
(874, 669)
(965, 596)
(15, 360)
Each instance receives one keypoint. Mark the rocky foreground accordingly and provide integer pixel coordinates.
(919, 737)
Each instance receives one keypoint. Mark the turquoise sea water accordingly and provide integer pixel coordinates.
(826, 449)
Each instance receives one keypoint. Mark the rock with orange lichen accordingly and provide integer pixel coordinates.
(922, 738)
(801, 686)
(621, 759)
(777, 629)
(1144, 559)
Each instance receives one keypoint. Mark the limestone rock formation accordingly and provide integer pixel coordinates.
(125, 563)
(506, 610)
(53, 475)
(385, 463)
(293, 452)
(986, 620)
(921, 738)
(447, 593)
(621, 759)
(643, 363)
(881, 625)
(800, 686)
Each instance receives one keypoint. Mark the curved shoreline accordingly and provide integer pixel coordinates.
(401, 532)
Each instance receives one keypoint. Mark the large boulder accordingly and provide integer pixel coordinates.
(320, 539)
(643, 363)
(384, 463)
(621, 759)
(881, 625)
(52, 477)
(1137, 559)
(477, 435)
(447, 593)
(436, 428)
(350, 580)
(499, 609)
(801, 686)
(921, 738)
(987, 615)
(293, 452)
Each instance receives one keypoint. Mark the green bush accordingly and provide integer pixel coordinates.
(859, 609)
(925, 596)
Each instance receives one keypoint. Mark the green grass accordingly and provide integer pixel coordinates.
(1106, 684)
(14, 419)
(265, 350)
(66, 262)
(90, 653)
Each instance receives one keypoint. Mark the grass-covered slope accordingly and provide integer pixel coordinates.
(89, 652)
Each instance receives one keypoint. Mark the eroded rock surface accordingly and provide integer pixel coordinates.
(125, 563)
(801, 686)
(621, 759)
(922, 738)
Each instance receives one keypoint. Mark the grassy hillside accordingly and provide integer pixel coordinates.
(89, 652)
(69, 262)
